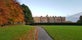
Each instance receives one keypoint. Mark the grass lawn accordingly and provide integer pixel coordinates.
(13, 32)
(64, 32)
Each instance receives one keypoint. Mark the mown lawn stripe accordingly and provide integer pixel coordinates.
(13, 32)
(65, 32)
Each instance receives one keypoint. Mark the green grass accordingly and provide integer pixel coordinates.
(13, 32)
(64, 32)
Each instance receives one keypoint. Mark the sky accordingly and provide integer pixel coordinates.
(53, 7)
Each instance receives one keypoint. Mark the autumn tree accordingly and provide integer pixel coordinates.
(10, 12)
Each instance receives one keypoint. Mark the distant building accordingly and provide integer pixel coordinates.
(43, 19)
(49, 19)
(36, 19)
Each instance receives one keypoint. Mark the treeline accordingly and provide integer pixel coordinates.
(11, 12)
(56, 24)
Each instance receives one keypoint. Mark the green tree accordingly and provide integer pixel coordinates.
(80, 20)
(27, 14)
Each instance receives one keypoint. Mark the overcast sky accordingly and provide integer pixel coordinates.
(53, 7)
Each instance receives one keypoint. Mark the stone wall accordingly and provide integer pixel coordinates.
(49, 19)
(36, 19)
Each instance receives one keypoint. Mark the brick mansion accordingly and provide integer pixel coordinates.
(48, 19)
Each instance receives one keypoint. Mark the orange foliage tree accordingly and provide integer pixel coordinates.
(10, 12)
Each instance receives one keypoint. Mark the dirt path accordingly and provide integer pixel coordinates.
(42, 34)
(29, 36)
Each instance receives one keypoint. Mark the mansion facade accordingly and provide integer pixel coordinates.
(49, 19)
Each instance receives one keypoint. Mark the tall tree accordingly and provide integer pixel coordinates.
(27, 14)
(80, 20)
(10, 12)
